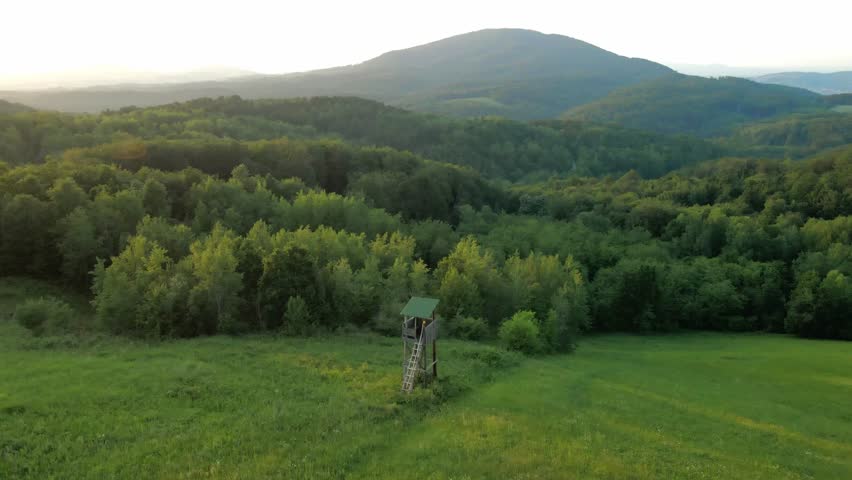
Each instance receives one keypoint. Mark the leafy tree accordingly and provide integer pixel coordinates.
(569, 315)
(45, 315)
(287, 272)
(78, 245)
(297, 317)
(521, 332)
(66, 196)
(155, 198)
(216, 294)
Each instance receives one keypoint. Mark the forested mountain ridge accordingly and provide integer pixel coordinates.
(790, 136)
(10, 107)
(495, 148)
(825, 83)
(702, 106)
(514, 73)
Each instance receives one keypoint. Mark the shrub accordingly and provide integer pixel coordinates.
(521, 332)
(45, 315)
(567, 318)
(469, 328)
(297, 317)
(388, 321)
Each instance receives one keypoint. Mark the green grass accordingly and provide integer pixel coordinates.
(679, 406)
(684, 406)
(843, 108)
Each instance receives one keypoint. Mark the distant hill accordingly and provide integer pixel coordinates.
(519, 74)
(114, 76)
(791, 136)
(702, 106)
(825, 83)
(10, 107)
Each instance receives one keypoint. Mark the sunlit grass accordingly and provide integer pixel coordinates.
(681, 406)
(685, 406)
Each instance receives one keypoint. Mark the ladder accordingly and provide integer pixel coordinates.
(411, 370)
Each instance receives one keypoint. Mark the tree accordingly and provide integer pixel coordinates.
(26, 238)
(78, 245)
(343, 292)
(137, 293)
(287, 272)
(459, 295)
(155, 198)
(216, 293)
(66, 196)
(820, 307)
(521, 332)
(481, 288)
(569, 314)
(297, 317)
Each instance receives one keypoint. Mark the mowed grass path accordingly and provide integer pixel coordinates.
(680, 406)
(683, 406)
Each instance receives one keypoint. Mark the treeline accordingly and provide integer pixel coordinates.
(734, 245)
(183, 229)
(183, 254)
(399, 182)
(793, 136)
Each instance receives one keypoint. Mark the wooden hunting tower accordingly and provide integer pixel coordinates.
(419, 329)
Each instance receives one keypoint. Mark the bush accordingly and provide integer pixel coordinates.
(469, 328)
(45, 315)
(521, 332)
(491, 358)
(297, 317)
(388, 321)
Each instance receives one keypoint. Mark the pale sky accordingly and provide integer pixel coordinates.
(39, 36)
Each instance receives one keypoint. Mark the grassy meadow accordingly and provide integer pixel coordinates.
(685, 406)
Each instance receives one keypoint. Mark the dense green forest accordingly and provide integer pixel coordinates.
(493, 147)
(231, 216)
(702, 106)
(791, 136)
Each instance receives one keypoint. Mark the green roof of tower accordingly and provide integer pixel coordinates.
(420, 307)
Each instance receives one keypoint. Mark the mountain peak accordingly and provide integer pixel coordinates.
(510, 52)
(511, 72)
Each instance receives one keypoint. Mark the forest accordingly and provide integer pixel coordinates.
(706, 107)
(209, 235)
(306, 216)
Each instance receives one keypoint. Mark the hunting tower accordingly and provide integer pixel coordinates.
(419, 330)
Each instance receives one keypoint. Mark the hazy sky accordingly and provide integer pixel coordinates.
(282, 36)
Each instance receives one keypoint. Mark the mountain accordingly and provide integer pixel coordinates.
(702, 106)
(9, 107)
(519, 74)
(825, 83)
